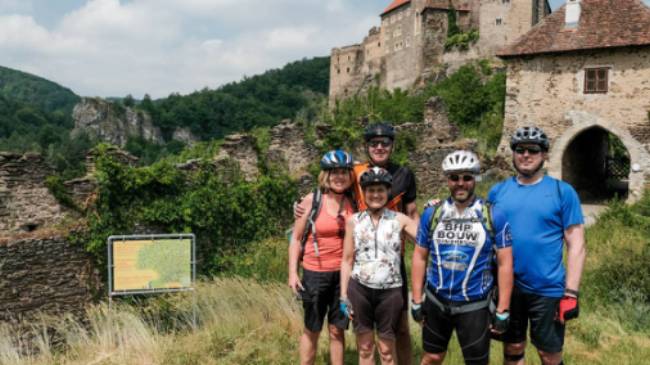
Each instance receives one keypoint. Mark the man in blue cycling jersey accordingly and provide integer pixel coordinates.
(543, 213)
(462, 234)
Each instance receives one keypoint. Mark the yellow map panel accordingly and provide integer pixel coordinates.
(152, 264)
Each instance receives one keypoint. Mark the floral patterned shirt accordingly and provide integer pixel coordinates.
(377, 249)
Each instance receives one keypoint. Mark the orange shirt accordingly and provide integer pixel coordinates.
(359, 169)
(330, 244)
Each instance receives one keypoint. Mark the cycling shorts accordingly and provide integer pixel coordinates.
(375, 308)
(546, 333)
(472, 330)
(320, 297)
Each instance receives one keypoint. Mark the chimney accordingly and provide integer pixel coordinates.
(572, 14)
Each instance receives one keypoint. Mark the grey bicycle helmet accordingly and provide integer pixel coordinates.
(383, 129)
(531, 135)
(461, 161)
(336, 159)
(376, 175)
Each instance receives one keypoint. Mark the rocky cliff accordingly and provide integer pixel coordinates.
(115, 123)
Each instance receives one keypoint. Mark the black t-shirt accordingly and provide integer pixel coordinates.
(403, 181)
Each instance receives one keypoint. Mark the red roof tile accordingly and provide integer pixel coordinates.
(394, 5)
(603, 24)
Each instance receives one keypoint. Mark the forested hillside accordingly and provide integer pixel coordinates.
(36, 91)
(261, 100)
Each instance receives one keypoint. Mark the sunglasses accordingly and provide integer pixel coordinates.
(457, 178)
(532, 150)
(384, 143)
(340, 222)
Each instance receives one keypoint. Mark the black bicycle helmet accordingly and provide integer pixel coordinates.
(376, 175)
(532, 135)
(383, 129)
(336, 159)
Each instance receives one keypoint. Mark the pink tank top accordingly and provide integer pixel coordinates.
(330, 243)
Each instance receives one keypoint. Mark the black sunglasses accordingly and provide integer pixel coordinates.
(383, 142)
(465, 178)
(532, 150)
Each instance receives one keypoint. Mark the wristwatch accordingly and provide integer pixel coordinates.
(571, 291)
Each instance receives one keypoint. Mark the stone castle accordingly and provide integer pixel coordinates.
(409, 46)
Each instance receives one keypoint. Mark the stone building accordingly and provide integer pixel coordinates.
(583, 75)
(409, 46)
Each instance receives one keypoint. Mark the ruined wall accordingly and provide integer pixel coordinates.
(25, 202)
(548, 91)
(44, 275)
(241, 148)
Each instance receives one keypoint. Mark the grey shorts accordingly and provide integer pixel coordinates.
(378, 309)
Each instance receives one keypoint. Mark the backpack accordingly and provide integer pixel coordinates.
(311, 223)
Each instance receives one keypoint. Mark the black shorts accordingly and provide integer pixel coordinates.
(472, 330)
(375, 308)
(321, 297)
(546, 333)
(405, 286)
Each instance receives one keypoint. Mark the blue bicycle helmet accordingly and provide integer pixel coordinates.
(337, 159)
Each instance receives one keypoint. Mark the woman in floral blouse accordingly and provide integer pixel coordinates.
(370, 271)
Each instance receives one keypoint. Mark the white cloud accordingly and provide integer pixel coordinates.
(113, 48)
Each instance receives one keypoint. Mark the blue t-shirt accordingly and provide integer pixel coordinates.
(461, 250)
(538, 214)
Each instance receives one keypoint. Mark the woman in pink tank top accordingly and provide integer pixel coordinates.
(321, 256)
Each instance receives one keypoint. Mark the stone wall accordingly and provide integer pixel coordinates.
(26, 204)
(241, 148)
(44, 275)
(548, 91)
(501, 22)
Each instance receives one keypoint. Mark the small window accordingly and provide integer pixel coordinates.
(505, 1)
(338, 71)
(348, 70)
(378, 44)
(348, 57)
(596, 80)
(499, 21)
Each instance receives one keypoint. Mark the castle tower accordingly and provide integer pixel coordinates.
(503, 21)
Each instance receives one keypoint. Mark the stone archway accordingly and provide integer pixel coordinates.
(587, 134)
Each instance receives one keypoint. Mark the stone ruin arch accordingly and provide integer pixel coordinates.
(582, 123)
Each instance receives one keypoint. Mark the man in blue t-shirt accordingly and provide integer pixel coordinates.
(543, 213)
(462, 235)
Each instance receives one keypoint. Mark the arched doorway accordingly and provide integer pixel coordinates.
(597, 164)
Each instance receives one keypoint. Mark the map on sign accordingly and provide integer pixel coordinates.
(150, 264)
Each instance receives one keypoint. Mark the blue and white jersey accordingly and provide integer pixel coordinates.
(462, 250)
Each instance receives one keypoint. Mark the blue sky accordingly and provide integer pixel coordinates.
(119, 47)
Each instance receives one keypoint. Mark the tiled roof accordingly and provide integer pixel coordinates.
(603, 24)
(394, 5)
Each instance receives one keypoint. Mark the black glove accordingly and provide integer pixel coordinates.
(416, 312)
(500, 322)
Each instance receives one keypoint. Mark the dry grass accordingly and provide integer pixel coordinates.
(241, 321)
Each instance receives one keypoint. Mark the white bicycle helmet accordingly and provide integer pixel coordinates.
(461, 161)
